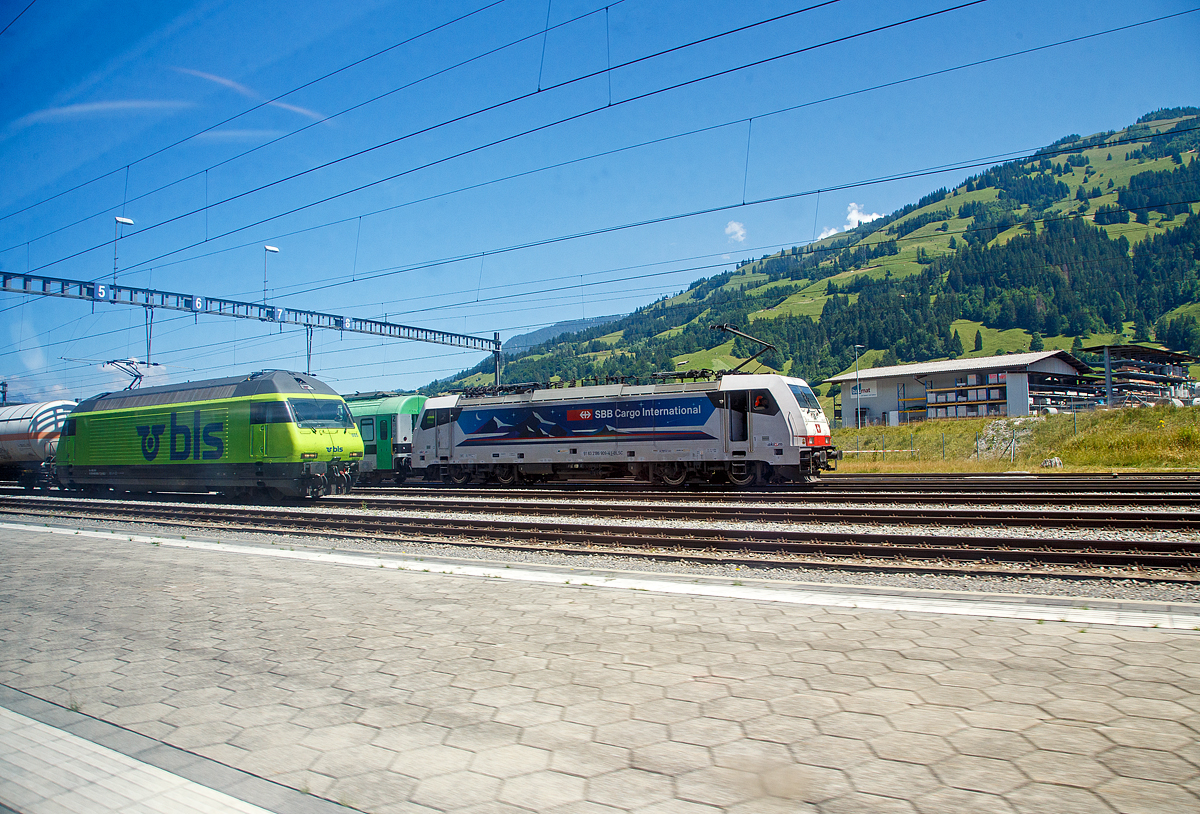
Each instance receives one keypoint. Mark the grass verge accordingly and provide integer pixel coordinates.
(1147, 438)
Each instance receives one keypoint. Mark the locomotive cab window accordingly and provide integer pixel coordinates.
(761, 401)
(270, 412)
(69, 430)
(367, 428)
(321, 413)
(429, 419)
(805, 397)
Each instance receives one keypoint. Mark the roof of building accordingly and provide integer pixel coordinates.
(262, 382)
(1141, 353)
(1009, 361)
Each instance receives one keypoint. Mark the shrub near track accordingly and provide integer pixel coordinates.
(1147, 438)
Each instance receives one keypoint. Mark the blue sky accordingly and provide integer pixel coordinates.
(133, 110)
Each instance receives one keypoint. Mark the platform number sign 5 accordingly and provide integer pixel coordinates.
(103, 291)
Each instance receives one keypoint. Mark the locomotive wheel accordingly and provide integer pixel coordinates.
(748, 478)
(673, 474)
(460, 475)
(505, 474)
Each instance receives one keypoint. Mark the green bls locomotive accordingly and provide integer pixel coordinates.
(386, 422)
(274, 433)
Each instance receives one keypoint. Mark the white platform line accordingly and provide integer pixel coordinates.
(1023, 609)
(56, 770)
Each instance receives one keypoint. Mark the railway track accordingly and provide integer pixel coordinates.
(738, 512)
(904, 549)
(1180, 499)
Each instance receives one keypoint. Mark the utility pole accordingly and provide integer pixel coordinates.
(857, 390)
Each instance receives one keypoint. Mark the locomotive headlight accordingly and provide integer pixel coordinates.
(308, 456)
(356, 454)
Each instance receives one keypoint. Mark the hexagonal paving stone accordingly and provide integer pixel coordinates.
(1041, 798)
(718, 787)
(629, 788)
(705, 731)
(806, 784)
(961, 801)
(456, 790)
(670, 758)
(543, 790)
(430, 761)
(981, 774)
(990, 743)
(510, 761)
(1147, 764)
(1063, 769)
(891, 778)
(1129, 795)
(589, 759)
(911, 747)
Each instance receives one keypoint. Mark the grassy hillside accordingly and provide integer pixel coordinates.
(1136, 439)
(1049, 244)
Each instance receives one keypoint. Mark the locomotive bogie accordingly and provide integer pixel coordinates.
(274, 433)
(744, 430)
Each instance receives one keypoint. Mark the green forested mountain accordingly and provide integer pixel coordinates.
(1091, 239)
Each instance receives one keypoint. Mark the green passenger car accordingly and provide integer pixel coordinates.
(386, 422)
(274, 433)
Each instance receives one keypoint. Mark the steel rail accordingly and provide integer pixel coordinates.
(733, 512)
(608, 492)
(784, 546)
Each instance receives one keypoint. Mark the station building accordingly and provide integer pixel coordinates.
(1012, 384)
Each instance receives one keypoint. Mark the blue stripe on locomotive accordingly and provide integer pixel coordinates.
(675, 419)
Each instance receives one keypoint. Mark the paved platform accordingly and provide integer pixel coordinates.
(474, 688)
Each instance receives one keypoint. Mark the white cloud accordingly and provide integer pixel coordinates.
(238, 87)
(89, 109)
(855, 216)
(736, 231)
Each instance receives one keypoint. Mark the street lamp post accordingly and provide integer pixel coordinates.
(119, 221)
(266, 250)
(857, 391)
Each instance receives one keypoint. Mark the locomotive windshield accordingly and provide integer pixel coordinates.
(322, 413)
(805, 397)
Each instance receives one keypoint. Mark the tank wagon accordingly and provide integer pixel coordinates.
(746, 429)
(29, 436)
(386, 422)
(274, 432)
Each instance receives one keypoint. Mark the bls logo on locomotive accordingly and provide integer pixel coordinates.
(184, 440)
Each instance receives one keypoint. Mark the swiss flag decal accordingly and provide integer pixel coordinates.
(579, 415)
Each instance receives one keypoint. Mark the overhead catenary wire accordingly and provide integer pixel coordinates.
(498, 105)
(275, 339)
(1069, 149)
(393, 91)
(948, 168)
(790, 108)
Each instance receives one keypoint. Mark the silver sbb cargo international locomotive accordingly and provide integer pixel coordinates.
(745, 429)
